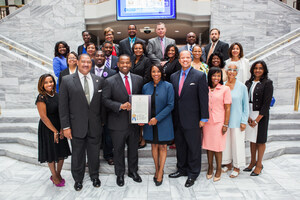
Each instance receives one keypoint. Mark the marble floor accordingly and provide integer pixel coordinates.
(280, 180)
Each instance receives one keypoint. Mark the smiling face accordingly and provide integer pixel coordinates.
(72, 60)
(86, 37)
(214, 35)
(216, 61)
(236, 51)
(132, 31)
(161, 30)
(108, 49)
(191, 38)
(155, 74)
(185, 59)
(91, 49)
(84, 64)
(99, 58)
(109, 36)
(138, 50)
(48, 84)
(258, 70)
(197, 52)
(232, 71)
(62, 49)
(124, 64)
(216, 78)
(171, 52)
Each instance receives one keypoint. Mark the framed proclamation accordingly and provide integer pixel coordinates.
(140, 108)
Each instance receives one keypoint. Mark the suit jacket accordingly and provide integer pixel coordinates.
(192, 105)
(141, 68)
(63, 73)
(114, 61)
(185, 48)
(115, 94)
(109, 72)
(154, 49)
(222, 47)
(74, 110)
(125, 46)
(80, 49)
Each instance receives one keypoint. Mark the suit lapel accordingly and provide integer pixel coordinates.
(121, 84)
(177, 82)
(79, 86)
(95, 84)
(128, 44)
(134, 89)
(217, 47)
(158, 44)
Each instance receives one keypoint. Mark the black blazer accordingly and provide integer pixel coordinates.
(170, 68)
(262, 96)
(109, 72)
(125, 46)
(192, 105)
(114, 61)
(115, 94)
(142, 68)
(74, 111)
(222, 47)
(63, 73)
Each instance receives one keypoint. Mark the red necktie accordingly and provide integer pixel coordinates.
(181, 83)
(127, 85)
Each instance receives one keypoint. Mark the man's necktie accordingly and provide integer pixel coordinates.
(86, 90)
(211, 50)
(107, 64)
(162, 46)
(181, 83)
(98, 71)
(127, 85)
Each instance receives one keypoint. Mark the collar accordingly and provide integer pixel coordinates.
(81, 75)
(123, 75)
(219, 86)
(163, 39)
(187, 70)
(132, 39)
(102, 67)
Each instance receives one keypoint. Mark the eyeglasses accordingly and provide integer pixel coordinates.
(232, 70)
(72, 58)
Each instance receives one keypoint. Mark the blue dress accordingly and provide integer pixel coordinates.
(59, 64)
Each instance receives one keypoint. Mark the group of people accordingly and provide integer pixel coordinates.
(206, 98)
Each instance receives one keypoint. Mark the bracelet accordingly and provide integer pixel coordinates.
(225, 125)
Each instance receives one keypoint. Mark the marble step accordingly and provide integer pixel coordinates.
(146, 166)
(284, 124)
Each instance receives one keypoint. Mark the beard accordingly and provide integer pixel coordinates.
(214, 39)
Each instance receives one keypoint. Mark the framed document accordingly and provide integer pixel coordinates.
(140, 108)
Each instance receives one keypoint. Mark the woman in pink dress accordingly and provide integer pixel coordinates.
(214, 131)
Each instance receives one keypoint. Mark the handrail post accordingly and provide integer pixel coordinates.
(296, 103)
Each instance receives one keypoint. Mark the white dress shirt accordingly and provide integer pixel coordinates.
(96, 73)
(129, 80)
(90, 82)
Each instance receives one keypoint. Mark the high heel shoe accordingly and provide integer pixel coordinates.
(255, 174)
(60, 184)
(209, 176)
(247, 169)
(158, 183)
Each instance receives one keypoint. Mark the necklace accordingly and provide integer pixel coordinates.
(50, 95)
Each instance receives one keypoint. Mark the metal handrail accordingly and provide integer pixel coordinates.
(22, 51)
(94, 2)
(297, 91)
(273, 47)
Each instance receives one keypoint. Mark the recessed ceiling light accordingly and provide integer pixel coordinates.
(177, 31)
(118, 33)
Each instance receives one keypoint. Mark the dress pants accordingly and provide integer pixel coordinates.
(107, 144)
(188, 150)
(119, 139)
(235, 148)
(80, 146)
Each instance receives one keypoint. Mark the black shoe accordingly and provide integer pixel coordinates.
(110, 161)
(135, 176)
(158, 183)
(255, 174)
(247, 169)
(78, 186)
(120, 181)
(189, 182)
(96, 182)
(176, 174)
(142, 146)
(154, 179)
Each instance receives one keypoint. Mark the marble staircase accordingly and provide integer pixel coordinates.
(18, 139)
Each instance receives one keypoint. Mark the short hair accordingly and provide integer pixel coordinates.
(132, 25)
(232, 64)
(56, 53)
(197, 45)
(84, 54)
(241, 49)
(123, 55)
(160, 23)
(141, 43)
(108, 29)
(85, 31)
(75, 54)
(220, 55)
(160, 69)
(105, 42)
(266, 71)
(168, 49)
(41, 83)
(91, 43)
(211, 72)
(215, 29)
(99, 50)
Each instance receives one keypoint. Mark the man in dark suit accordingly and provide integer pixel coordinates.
(87, 39)
(127, 43)
(104, 72)
(80, 116)
(191, 42)
(190, 114)
(157, 46)
(216, 45)
(116, 98)
(111, 61)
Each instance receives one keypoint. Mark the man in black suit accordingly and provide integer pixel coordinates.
(111, 60)
(104, 72)
(127, 43)
(190, 114)
(80, 116)
(216, 45)
(87, 39)
(116, 99)
(191, 42)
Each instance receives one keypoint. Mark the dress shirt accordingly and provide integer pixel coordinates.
(90, 82)
(190, 46)
(110, 57)
(132, 41)
(129, 79)
(101, 70)
(164, 40)
(214, 46)
(72, 72)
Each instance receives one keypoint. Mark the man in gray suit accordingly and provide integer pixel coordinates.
(157, 46)
(116, 99)
(80, 116)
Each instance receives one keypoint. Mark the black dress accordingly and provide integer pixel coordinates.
(155, 130)
(48, 150)
(170, 68)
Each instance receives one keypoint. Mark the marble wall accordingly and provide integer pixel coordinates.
(41, 23)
